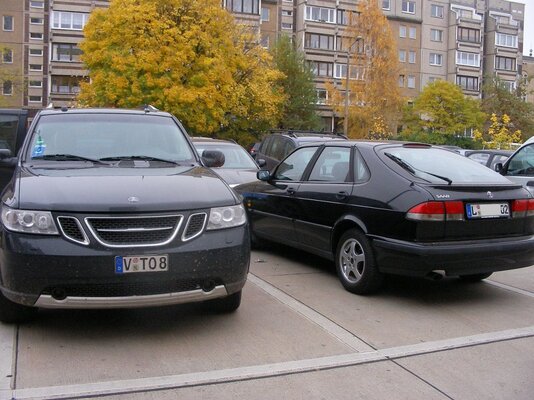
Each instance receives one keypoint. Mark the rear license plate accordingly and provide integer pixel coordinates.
(493, 210)
(132, 264)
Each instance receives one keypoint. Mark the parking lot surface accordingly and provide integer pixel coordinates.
(297, 335)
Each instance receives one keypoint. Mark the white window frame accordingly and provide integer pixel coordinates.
(403, 28)
(10, 93)
(34, 69)
(40, 37)
(320, 99)
(4, 18)
(338, 71)
(288, 25)
(412, 57)
(476, 59)
(408, 6)
(410, 82)
(388, 7)
(287, 13)
(35, 55)
(35, 101)
(35, 86)
(37, 23)
(37, 4)
(268, 11)
(436, 7)
(435, 59)
(433, 33)
(506, 37)
(309, 14)
(3, 52)
(402, 56)
(402, 81)
(412, 29)
(59, 14)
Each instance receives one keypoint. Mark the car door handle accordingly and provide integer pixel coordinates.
(341, 195)
(291, 191)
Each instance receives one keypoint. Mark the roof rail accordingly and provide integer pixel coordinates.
(149, 108)
(302, 132)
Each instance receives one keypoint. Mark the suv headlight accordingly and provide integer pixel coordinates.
(226, 217)
(28, 221)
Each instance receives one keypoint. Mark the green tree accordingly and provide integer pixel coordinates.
(442, 112)
(187, 57)
(375, 98)
(500, 134)
(497, 99)
(299, 110)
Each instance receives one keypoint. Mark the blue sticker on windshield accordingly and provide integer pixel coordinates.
(39, 147)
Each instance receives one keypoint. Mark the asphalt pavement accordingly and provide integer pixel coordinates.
(297, 335)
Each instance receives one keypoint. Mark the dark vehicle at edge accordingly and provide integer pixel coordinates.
(113, 208)
(408, 209)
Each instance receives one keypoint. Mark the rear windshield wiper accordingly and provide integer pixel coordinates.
(67, 157)
(142, 158)
(412, 169)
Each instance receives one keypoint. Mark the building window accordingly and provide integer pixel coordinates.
(433, 79)
(402, 55)
(412, 32)
(65, 84)
(243, 6)
(37, 4)
(287, 13)
(344, 17)
(402, 31)
(505, 63)
(436, 11)
(7, 88)
(36, 67)
(411, 82)
(470, 59)
(508, 85)
(65, 52)
(408, 7)
(401, 80)
(36, 35)
(318, 41)
(320, 14)
(502, 39)
(36, 21)
(322, 96)
(265, 14)
(462, 13)
(7, 56)
(320, 68)
(436, 59)
(69, 20)
(411, 57)
(287, 25)
(7, 24)
(340, 71)
(468, 35)
(436, 35)
(36, 52)
(265, 42)
(386, 4)
(357, 72)
(467, 82)
(35, 99)
(35, 84)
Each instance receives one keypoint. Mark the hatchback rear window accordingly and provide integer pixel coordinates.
(109, 135)
(440, 166)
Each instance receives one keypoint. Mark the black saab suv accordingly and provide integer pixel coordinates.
(114, 208)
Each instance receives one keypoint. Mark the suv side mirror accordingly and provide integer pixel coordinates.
(5, 153)
(261, 162)
(263, 175)
(499, 168)
(213, 158)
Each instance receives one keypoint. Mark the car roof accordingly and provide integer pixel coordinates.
(68, 111)
(489, 151)
(202, 139)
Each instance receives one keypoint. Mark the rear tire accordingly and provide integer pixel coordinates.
(475, 277)
(11, 312)
(355, 264)
(226, 304)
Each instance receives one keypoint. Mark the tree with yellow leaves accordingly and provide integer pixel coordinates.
(187, 57)
(374, 95)
(499, 135)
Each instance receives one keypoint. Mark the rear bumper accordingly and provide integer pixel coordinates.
(455, 258)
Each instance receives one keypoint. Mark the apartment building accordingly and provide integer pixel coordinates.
(528, 72)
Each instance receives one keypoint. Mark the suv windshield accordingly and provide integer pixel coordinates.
(90, 137)
(442, 166)
(235, 157)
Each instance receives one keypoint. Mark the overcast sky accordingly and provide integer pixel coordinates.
(528, 38)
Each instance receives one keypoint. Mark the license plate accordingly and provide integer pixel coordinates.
(133, 264)
(493, 210)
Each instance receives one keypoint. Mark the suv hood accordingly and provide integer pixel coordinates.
(120, 189)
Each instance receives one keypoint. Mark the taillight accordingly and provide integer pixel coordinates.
(437, 211)
(523, 208)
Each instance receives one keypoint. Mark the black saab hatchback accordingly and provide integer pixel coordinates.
(377, 208)
(114, 208)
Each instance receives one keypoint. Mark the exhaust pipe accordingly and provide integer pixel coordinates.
(208, 285)
(59, 294)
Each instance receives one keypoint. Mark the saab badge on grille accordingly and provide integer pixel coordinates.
(134, 199)
(490, 195)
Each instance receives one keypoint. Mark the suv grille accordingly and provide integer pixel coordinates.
(72, 229)
(194, 227)
(135, 231)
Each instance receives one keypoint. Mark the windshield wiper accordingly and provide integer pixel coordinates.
(142, 158)
(67, 157)
(412, 169)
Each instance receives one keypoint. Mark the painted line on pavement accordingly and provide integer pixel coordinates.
(263, 371)
(7, 344)
(510, 288)
(341, 334)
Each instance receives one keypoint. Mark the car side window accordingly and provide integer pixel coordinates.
(333, 165)
(522, 162)
(292, 168)
(8, 134)
(481, 158)
(288, 148)
(361, 172)
(265, 145)
(277, 148)
(498, 159)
